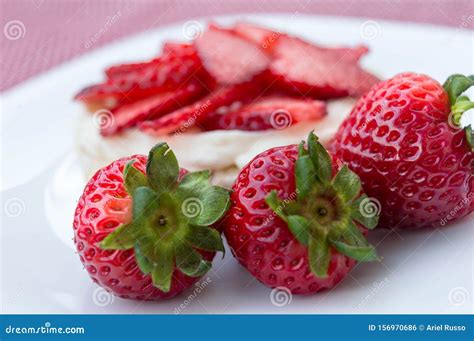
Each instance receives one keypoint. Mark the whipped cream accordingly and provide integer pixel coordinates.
(224, 152)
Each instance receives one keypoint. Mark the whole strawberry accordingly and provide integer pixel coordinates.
(294, 222)
(404, 140)
(143, 226)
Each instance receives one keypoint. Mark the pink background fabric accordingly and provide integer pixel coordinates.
(40, 34)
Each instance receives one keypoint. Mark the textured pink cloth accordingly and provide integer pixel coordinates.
(39, 34)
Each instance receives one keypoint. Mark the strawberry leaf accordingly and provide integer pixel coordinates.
(359, 253)
(365, 211)
(122, 238)
(133, 178)
(353, 236)
(301, 149)
(190, 262)
(319, 256)
(456, 84)
(320, 157)
(347, 183)
(193, 179)
(276, 205)
(201, 203)
(145, 203)
(143, 262)
(162, 168)
(299, 226)
(305, 176)
(205, 238)
(163, 267)
(470, 137)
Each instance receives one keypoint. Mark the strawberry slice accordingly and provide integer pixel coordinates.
(170, 50)
(348, 54)
(228, 58)
(150, 108)
(191, 115)
(173, 49)
(131, 82)
(267, 113)
(306, 69)
(264, 38)
(122, 69)
(260, 36)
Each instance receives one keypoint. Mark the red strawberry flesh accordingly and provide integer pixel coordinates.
(268, 113)
(142, 80)
(176, 50)
(194, 114)
(150, 108)
(305, 69)
(123, 69)
(228, 58)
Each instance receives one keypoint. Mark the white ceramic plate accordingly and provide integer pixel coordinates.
(426, 271)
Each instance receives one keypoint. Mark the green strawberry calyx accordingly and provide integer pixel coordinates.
(455, 85)
(171, 218)
(327, 210)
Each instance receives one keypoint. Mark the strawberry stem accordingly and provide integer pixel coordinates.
(455, 86)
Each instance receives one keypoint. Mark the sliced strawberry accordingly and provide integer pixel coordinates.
(173, 49)
(258, 35)
(194, 114)
(122, 69)
(170, 50)
(141, 82)
(228, 58)
(150, 108)
(267, 113)
(306, 69)
(264, 38)
(346, 53)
